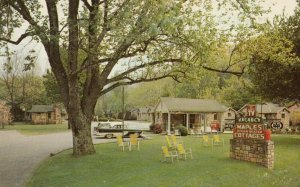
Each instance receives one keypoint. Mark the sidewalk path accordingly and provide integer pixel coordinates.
(20, 154)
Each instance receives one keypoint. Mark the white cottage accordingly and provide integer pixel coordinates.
(196, 114)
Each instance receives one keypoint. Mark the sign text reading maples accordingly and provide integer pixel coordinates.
(249, 128)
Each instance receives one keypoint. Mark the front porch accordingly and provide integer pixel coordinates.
(204, 122)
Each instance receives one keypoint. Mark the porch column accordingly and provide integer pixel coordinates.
(187, 121)
(205, 122)
(169, 124)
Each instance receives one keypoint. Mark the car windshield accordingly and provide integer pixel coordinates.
(104, 125)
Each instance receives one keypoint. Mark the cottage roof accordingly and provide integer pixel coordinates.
(144, 110)
(267, 108)
(295, 103)
(41, 108)
(192, 105)
(134, 110)
(230, 108)
(151, 109)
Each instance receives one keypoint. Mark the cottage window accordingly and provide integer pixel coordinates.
(283, 115)
(229, 114)
(215, 116)
(49, 115)
(192, 118)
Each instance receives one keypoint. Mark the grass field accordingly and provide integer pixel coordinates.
(28, 129)
(210, 167)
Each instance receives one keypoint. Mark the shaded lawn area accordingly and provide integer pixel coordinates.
(112, 167)
(28, 129)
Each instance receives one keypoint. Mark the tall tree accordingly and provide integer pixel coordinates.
(274, 59)
(51, 88)
(149, 40)
(20, 87)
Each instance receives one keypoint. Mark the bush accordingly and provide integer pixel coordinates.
(182, 130)
(151, 127)
(156, 129)
(102, 119)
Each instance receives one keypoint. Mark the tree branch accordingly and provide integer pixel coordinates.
(20, 39)
(105, 28)
(139, 50)
(237, 73)
(21, 8)
(116, 12)
(87, 4)
(122, 75)
(132, 81)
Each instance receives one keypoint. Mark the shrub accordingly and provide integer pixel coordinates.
(293, 130)
(182, 130)
(287, 130)
(157, 129)
(151, 127)
(102, 119)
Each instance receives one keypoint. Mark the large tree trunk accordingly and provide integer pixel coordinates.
(81, 131)
(82, 139)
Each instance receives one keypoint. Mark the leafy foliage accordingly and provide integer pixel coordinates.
(275, 69)
(182, 130)
(237, 92)
(275, 62)
(51, 88)
(155, 128)
(19, 88)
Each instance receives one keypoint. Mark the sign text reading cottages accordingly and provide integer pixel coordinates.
(249, 128)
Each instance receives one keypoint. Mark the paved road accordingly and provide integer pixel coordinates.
(20, 154)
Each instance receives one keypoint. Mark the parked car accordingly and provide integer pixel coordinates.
(105, 129)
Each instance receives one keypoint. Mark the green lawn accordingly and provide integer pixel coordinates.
(27, 129)
(111, 167)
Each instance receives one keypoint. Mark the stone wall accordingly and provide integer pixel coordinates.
(257, 151)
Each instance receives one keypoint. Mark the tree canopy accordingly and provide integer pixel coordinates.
(121, 42)
(275, 59)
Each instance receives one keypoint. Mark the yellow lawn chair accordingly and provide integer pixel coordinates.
(217, 140)
(169, 143)
(174, 141)
(133, 142)
(168, 154)
(121, 143)
(182, 152)
(206, 141)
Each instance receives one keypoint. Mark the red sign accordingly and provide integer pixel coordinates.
(249, 131)
(251, 110)
(215, 125)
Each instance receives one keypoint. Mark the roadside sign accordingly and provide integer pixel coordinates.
(276, 125)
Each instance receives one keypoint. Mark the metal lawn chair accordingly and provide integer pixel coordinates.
(121, 143)
(134, 142)
(167, 154)
(182, 152)
(206, 141)
(217, 140)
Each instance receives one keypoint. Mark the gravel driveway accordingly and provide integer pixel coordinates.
(20, 154)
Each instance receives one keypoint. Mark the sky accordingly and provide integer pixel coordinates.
(277, 7)
(288, 5)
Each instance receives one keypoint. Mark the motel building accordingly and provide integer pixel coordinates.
(270, 113)
(197, 114)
